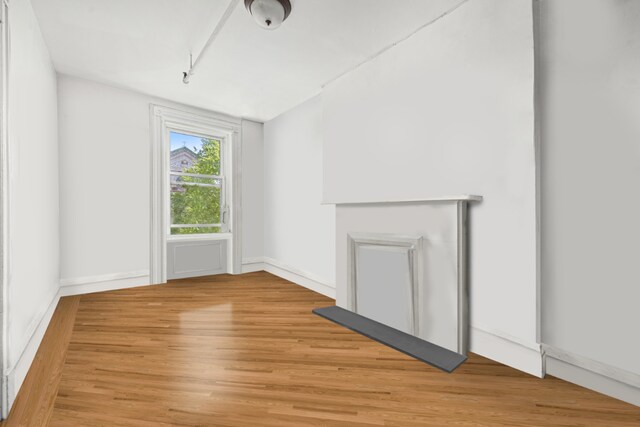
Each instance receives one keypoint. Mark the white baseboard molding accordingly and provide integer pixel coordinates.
(597, 376)
(494, 345)
(18, 372)
(250, 265)
(292, 274)
(526, 357)
(107, 282)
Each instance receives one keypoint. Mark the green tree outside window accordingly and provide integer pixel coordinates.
(192, 204)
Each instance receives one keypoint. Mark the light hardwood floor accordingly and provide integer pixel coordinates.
(246, 351)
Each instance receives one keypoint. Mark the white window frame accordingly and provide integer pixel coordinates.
(224, 207)
(194, 122)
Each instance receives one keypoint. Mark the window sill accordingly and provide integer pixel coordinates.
(197, 237)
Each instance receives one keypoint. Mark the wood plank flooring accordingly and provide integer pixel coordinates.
(247, 351)
(34, 403)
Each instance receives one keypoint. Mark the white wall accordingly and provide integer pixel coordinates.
(252, 190)
(590, 144)
(33, 188)
(105, 181)
(299, 231)
(446, 112)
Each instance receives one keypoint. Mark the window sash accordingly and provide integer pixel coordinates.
(195, 225)
(201, 184)
(224, 210)
(196, 175)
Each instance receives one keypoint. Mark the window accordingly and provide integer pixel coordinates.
(196, 184)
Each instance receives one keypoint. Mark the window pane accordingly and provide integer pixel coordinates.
(195, 199)
(194, 154)
(195, 205)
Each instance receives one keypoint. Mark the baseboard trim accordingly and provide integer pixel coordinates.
(591, 374)
(525, 357)
(103, 278)
(292, 274)
(494, 345)
(250, 265)
(107, 282)
(18, 372)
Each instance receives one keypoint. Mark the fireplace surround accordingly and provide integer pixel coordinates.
(404, 264)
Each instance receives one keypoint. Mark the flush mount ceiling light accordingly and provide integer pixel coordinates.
(269, 14)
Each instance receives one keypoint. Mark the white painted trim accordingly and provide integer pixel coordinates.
(537, 109)
(18, 372)
(299, 277)
(157, 232)
(195, 225)
(198, 237)
(202, 118)
(460, 198)
(186, 119)
(292, 274)
(592, 365)
(253, 260)
(4, 208)
(505, 336)
(235, 142)
(594, 375)
(73, 281)
(198, 175)
(107, 282)
(505, 349)
(251, 265)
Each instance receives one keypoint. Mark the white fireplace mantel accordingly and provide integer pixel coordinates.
(430, 234)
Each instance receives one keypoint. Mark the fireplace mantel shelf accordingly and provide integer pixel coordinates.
(461, 198)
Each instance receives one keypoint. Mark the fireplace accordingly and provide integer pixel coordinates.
(384, 279)
(404, 264)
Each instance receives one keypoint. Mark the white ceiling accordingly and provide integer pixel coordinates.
(249, 72)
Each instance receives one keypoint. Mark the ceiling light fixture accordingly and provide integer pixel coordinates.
(269, 14)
